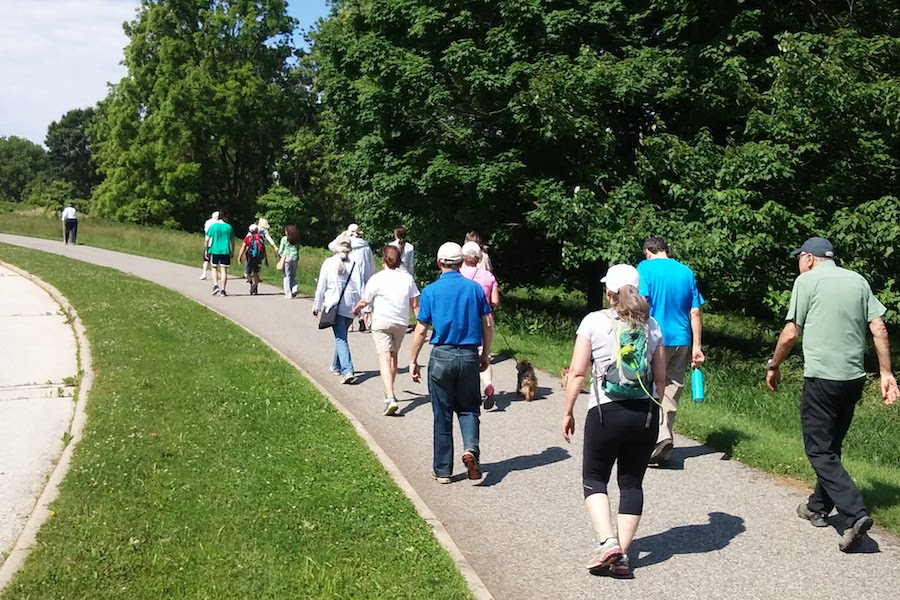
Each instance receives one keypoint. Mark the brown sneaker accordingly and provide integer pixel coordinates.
(853, 535)
(472, 466)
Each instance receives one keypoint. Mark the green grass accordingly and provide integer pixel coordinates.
(174, 246)
(210, 468)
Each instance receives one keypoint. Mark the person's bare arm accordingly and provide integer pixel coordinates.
(487, 336)
(359, 306)
(889, 390)
(578, 368)
(658, 366)
(697, 356)
(786, 341)
(419, 336)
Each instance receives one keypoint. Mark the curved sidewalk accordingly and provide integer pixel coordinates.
(714, 528)
(37, 377)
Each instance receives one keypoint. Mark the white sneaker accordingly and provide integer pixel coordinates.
(390, 406)
(203, 276)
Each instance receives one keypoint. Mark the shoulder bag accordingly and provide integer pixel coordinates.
(328, 318)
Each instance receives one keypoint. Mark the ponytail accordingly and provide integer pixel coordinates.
(631, 307)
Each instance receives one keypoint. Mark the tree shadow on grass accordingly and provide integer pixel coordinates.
(495, 472)
(688, 539)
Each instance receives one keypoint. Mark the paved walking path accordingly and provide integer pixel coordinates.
(713, 528)
(36, 396)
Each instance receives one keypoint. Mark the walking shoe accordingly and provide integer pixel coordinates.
(472, 466)
(606, 554)
(852, 536)
(620, 569)
(815, 519)
(336, 372)
(222, 293)
(362, 326)
(348, 379)
(661, 452)
(390, 406)
(489, 396)
(203, 276)
(439, 478)
(253, 289)
(215, 291)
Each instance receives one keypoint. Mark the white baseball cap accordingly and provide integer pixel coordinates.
(471, 250)
(618, 276)
(450, 253)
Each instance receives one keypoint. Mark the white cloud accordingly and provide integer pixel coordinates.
(56, 55)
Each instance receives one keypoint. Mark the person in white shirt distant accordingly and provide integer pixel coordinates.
(213, 219)
(70, 223)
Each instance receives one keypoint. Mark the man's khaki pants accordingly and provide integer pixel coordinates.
(677, 359)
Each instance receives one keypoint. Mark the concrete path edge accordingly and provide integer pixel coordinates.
(473, 580)
(41, 511)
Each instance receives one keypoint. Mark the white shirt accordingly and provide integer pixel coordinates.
(208, 224)
(601, 327)
(390, 291)
(361, 254)
(328, 289)
(407, 258)
(69, 213)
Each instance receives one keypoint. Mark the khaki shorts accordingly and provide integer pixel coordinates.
(388, 337)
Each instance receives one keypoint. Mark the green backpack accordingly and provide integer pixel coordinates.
(629, 375)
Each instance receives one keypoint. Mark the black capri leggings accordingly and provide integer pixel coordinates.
(626, 434)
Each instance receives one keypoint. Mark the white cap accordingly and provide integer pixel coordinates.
(471, 251)
(352, 227)
(254, 228)
(450, 253)
(618, 276)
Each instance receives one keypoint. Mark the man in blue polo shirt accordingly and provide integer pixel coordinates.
(458, 312)
(671, 290)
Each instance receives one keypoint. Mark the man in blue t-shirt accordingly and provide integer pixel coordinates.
(671, 289)
(458, 312)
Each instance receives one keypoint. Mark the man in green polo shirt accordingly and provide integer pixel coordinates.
(833, 307)
(221, 247)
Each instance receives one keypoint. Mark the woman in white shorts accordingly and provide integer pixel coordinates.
(392, 293)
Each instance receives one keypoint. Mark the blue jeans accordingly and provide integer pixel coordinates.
(454, 388)
(342, 361)
(290, 277)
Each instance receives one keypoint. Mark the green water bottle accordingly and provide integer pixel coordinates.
(697, 385)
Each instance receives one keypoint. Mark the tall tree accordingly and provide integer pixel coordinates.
(198, 121)
(21, 161)
(68, 144)
(573, 129)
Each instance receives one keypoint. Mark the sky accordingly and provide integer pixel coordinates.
(56, 55)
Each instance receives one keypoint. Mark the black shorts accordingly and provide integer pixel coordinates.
(220, 260)
(254, 265)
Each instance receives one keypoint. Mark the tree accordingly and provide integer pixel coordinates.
(68, 144)
(20, 161)
(198, 121)
(573, 130)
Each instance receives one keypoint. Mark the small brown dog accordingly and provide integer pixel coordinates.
(526, 383)
(564, 377)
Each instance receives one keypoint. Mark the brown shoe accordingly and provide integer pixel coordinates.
(472, 466)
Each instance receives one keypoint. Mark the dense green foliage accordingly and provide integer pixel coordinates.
(573, 130)
(565, 131)
(197, 124)
(20, 162)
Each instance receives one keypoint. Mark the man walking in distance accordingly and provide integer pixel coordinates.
(458, 313)
(671, 290)
(206, 226)
(70, 223)
(221, 248)
(832, 306)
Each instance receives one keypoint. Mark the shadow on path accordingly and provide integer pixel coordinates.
(688, 539)
(495, 472)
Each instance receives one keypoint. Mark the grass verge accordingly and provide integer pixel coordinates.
(210, 468)
(174, 246)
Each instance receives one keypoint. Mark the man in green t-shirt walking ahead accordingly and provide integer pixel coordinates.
(832, 307)
(221, 247)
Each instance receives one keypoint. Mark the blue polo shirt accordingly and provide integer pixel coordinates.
(453, 306)
(671, 290)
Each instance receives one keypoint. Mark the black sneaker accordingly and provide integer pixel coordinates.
(362, 326)
(852, 536)
(661, 452)
(815, 519)
(215, 291)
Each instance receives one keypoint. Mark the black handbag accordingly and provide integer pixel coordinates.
(327, 318)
